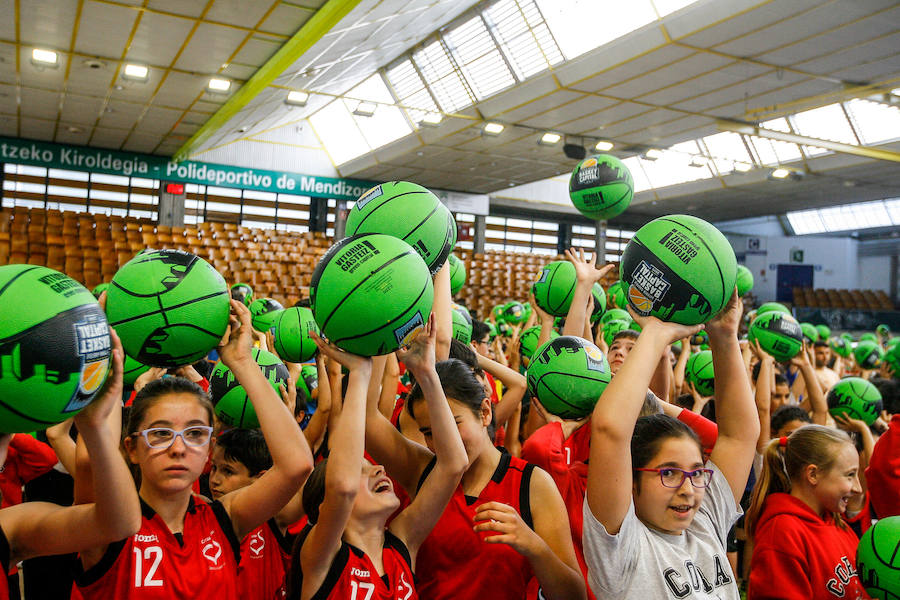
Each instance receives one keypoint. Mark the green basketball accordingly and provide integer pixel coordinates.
(601, 187)
(868, 354)
(848, 337)
(824, 332)
(882, 330)
(528, 342)
(611, 329)
(132, 370)
(868, 337)
(878, 559)
(699, 371)
(855, 397)
(514, 313)
(679, 268)
(555, 287)
(840, 346)
(492, 330)
(457, 274)
(615, 295)
(700, 338)
(292, 341)
(371, 294)
(496, 312)
(264, 312)
(599, 302)
(410, 212)
(504, 329)
(54, 348)
(99, 289)
(810, 333)
(892, 355)
(772, 306)
(567, 375)
(233, 406)
(778, 333)
(242, 293)
(308, 382)
(462, 329)
(615, 314)
(676, 347)
(744, 280)
(463, 311)
(169, 307)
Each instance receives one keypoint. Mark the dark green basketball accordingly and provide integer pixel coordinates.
(54, 348)
(824, 332)
(599, 302)
(567, 375)
(772, 306)
(882, 330)
(699, 371)
(410, 212)
(242, 293)
(514, 313)
(868, 354)
(132, 370)
(169, 307)
(778, 333)
(555, 287)
(371, 294)
(496, 312)
(230, 399)
(615, 296)
(679, 268)
(457, 274)
(462, 329)
(611, 329)
(601, 187)
(99, 289)
(528, 342)
(615, 314)
(878, 559)
(264, 312)
(308, 383)
(744, 280)
(840, 346)
(855, 397)
(292, 341)
(810, 333)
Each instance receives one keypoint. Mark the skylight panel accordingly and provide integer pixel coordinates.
(806, 222)
(773, 152)
(336, 128)
(673, 166)
(479, 58)
(442, 77)
(582, 25)
(725, 149)
(641, 183)
(893, 209)
(523, 36)
(827, 123)
(411, 90)
(875, 122)
(847, 217)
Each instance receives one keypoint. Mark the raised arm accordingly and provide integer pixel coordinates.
(587, 274)
(764, 396)
(443, 318)
(515, 388)
(681, 364)
(292, 460)
(63, 444)
(818, 406)
(735, 407)
(389, 381)
(318, 423)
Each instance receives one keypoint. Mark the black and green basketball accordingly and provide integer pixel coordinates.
(514, 313)
(699, 371)
(611, 329)
(567, 375)
(744, 280)
(855, 397)
(242, 293)
(676, 347)
(132, 370)
(616, 297)
(371, 294)
(99, 289)
(840, 346)
(528, 342)
(308, 383)
(169, 307)
(555, 287)
(772, 306)
(824, 332)
(410, 212)
(492, 330)
(778, 333)
(878, 559)
(496, 312)
(868, 354)
(701, 338)
(457, 274)
(810, 333)
(679, 268)
(868, 337)
(504, 329)
(599, 302)
(615, 314)
(230, 399)
(462, 329)
(883, 330)
(292, 341)
(892, 355)
(264, 312)
(54, 348)
(601, 187)
(463, 311)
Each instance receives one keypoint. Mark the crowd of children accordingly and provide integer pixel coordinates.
(433, 474)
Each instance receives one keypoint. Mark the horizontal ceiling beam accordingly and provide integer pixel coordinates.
(752, 129)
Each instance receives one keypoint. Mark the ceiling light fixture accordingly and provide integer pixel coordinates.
(136, 73)
(603, 146)
(431, 119)
(493, 128)
(652, 154)
(365, 109)
(780, 173)
(296, 98)
(742, 167)
(45, 58)
(549, 139)
(218, 85)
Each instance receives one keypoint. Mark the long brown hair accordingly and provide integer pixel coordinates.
(784, 464)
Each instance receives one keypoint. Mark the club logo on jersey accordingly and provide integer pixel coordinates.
(648, 286)
(257, 544)
(211, 551)
(409, 330)
(368, 197)
(93, 346)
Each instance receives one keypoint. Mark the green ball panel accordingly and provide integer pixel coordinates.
(772, 306)
(868, 337)
(568, 375)
(679, 268)
(611, 329)
(371, 294)
(132, 370)
(778, 334)
(878, 559)
(840, 346)
(856, 397)
(99, 289)
(231, 402)
(615, 314)
(308, 382)
(514, 313)
(528, 342)
(601, 187)
(868, 354)
(810, 333)
(264, 312)
(824, 332)
(462, 329)
(599, 302)
(457, 274)
(292, 328)
(554, 289)
(699, 371)
(242, 293)
(744, 280)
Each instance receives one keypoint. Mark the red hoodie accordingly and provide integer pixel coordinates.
(883, 472)
(799, 556)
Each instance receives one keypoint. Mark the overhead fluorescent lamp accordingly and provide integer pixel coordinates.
(364, 109)
(493, 128)
(136, 72)
(550, 138)
(652, 154)
(296, 98)
(603, 146)
(431, 119)
(698, 161)
(780, 173)
(742, 167)
(218, 85)
(47, 58)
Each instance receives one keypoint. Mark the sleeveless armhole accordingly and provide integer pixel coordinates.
(84, 578)
(284, 541)
(525, 495)
(392, 541)
(295, 576)
(227, 527)
(334, 573)
(428, 468)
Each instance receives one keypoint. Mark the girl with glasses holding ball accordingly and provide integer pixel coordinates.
(185, 547)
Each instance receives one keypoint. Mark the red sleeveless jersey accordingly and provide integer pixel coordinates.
(156, 564)
(454, 562)
(265, 558)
